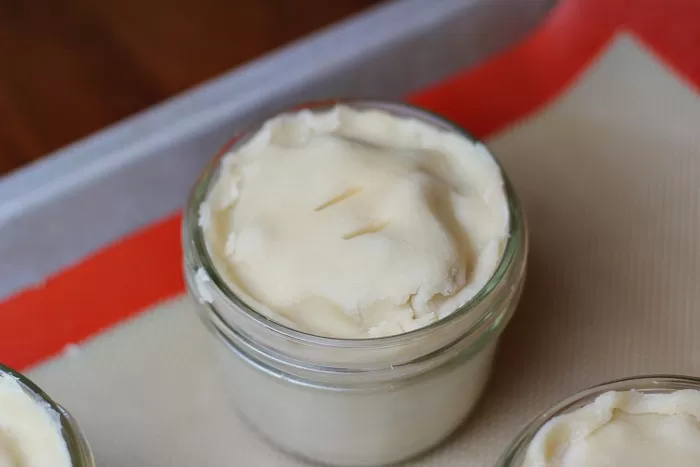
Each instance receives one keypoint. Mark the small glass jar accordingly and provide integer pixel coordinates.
(78, 448)
(655, 384)
(354, 402)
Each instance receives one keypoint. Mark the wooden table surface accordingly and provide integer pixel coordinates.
(71, 67)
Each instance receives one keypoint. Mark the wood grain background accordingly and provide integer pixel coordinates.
(71, 67)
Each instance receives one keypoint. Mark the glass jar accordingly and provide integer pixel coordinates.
(78, 448)
(356, 402)
(515, 454)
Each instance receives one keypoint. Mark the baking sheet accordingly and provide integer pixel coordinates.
(607, 175)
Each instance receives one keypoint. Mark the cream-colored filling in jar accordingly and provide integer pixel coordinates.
(356, 223)
(30, 431)
(623, 429)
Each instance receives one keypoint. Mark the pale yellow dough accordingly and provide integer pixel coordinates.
(30, 432)
(623, 429)
(356, 224)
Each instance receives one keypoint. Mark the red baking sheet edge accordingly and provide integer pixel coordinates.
(144, 268)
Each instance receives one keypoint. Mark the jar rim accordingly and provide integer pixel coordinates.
(78, 448)
(513, 455)
(192, 233)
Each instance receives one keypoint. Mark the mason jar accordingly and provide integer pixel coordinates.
(78, 448)
(654, 384)
(353, 402)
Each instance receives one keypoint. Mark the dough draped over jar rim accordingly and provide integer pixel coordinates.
(356, 223)
(623, 429)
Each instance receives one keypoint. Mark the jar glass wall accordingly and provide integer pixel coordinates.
(654, 384)
(354, 401)
(78, 448)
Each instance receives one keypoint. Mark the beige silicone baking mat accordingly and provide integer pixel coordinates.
(609, 174)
